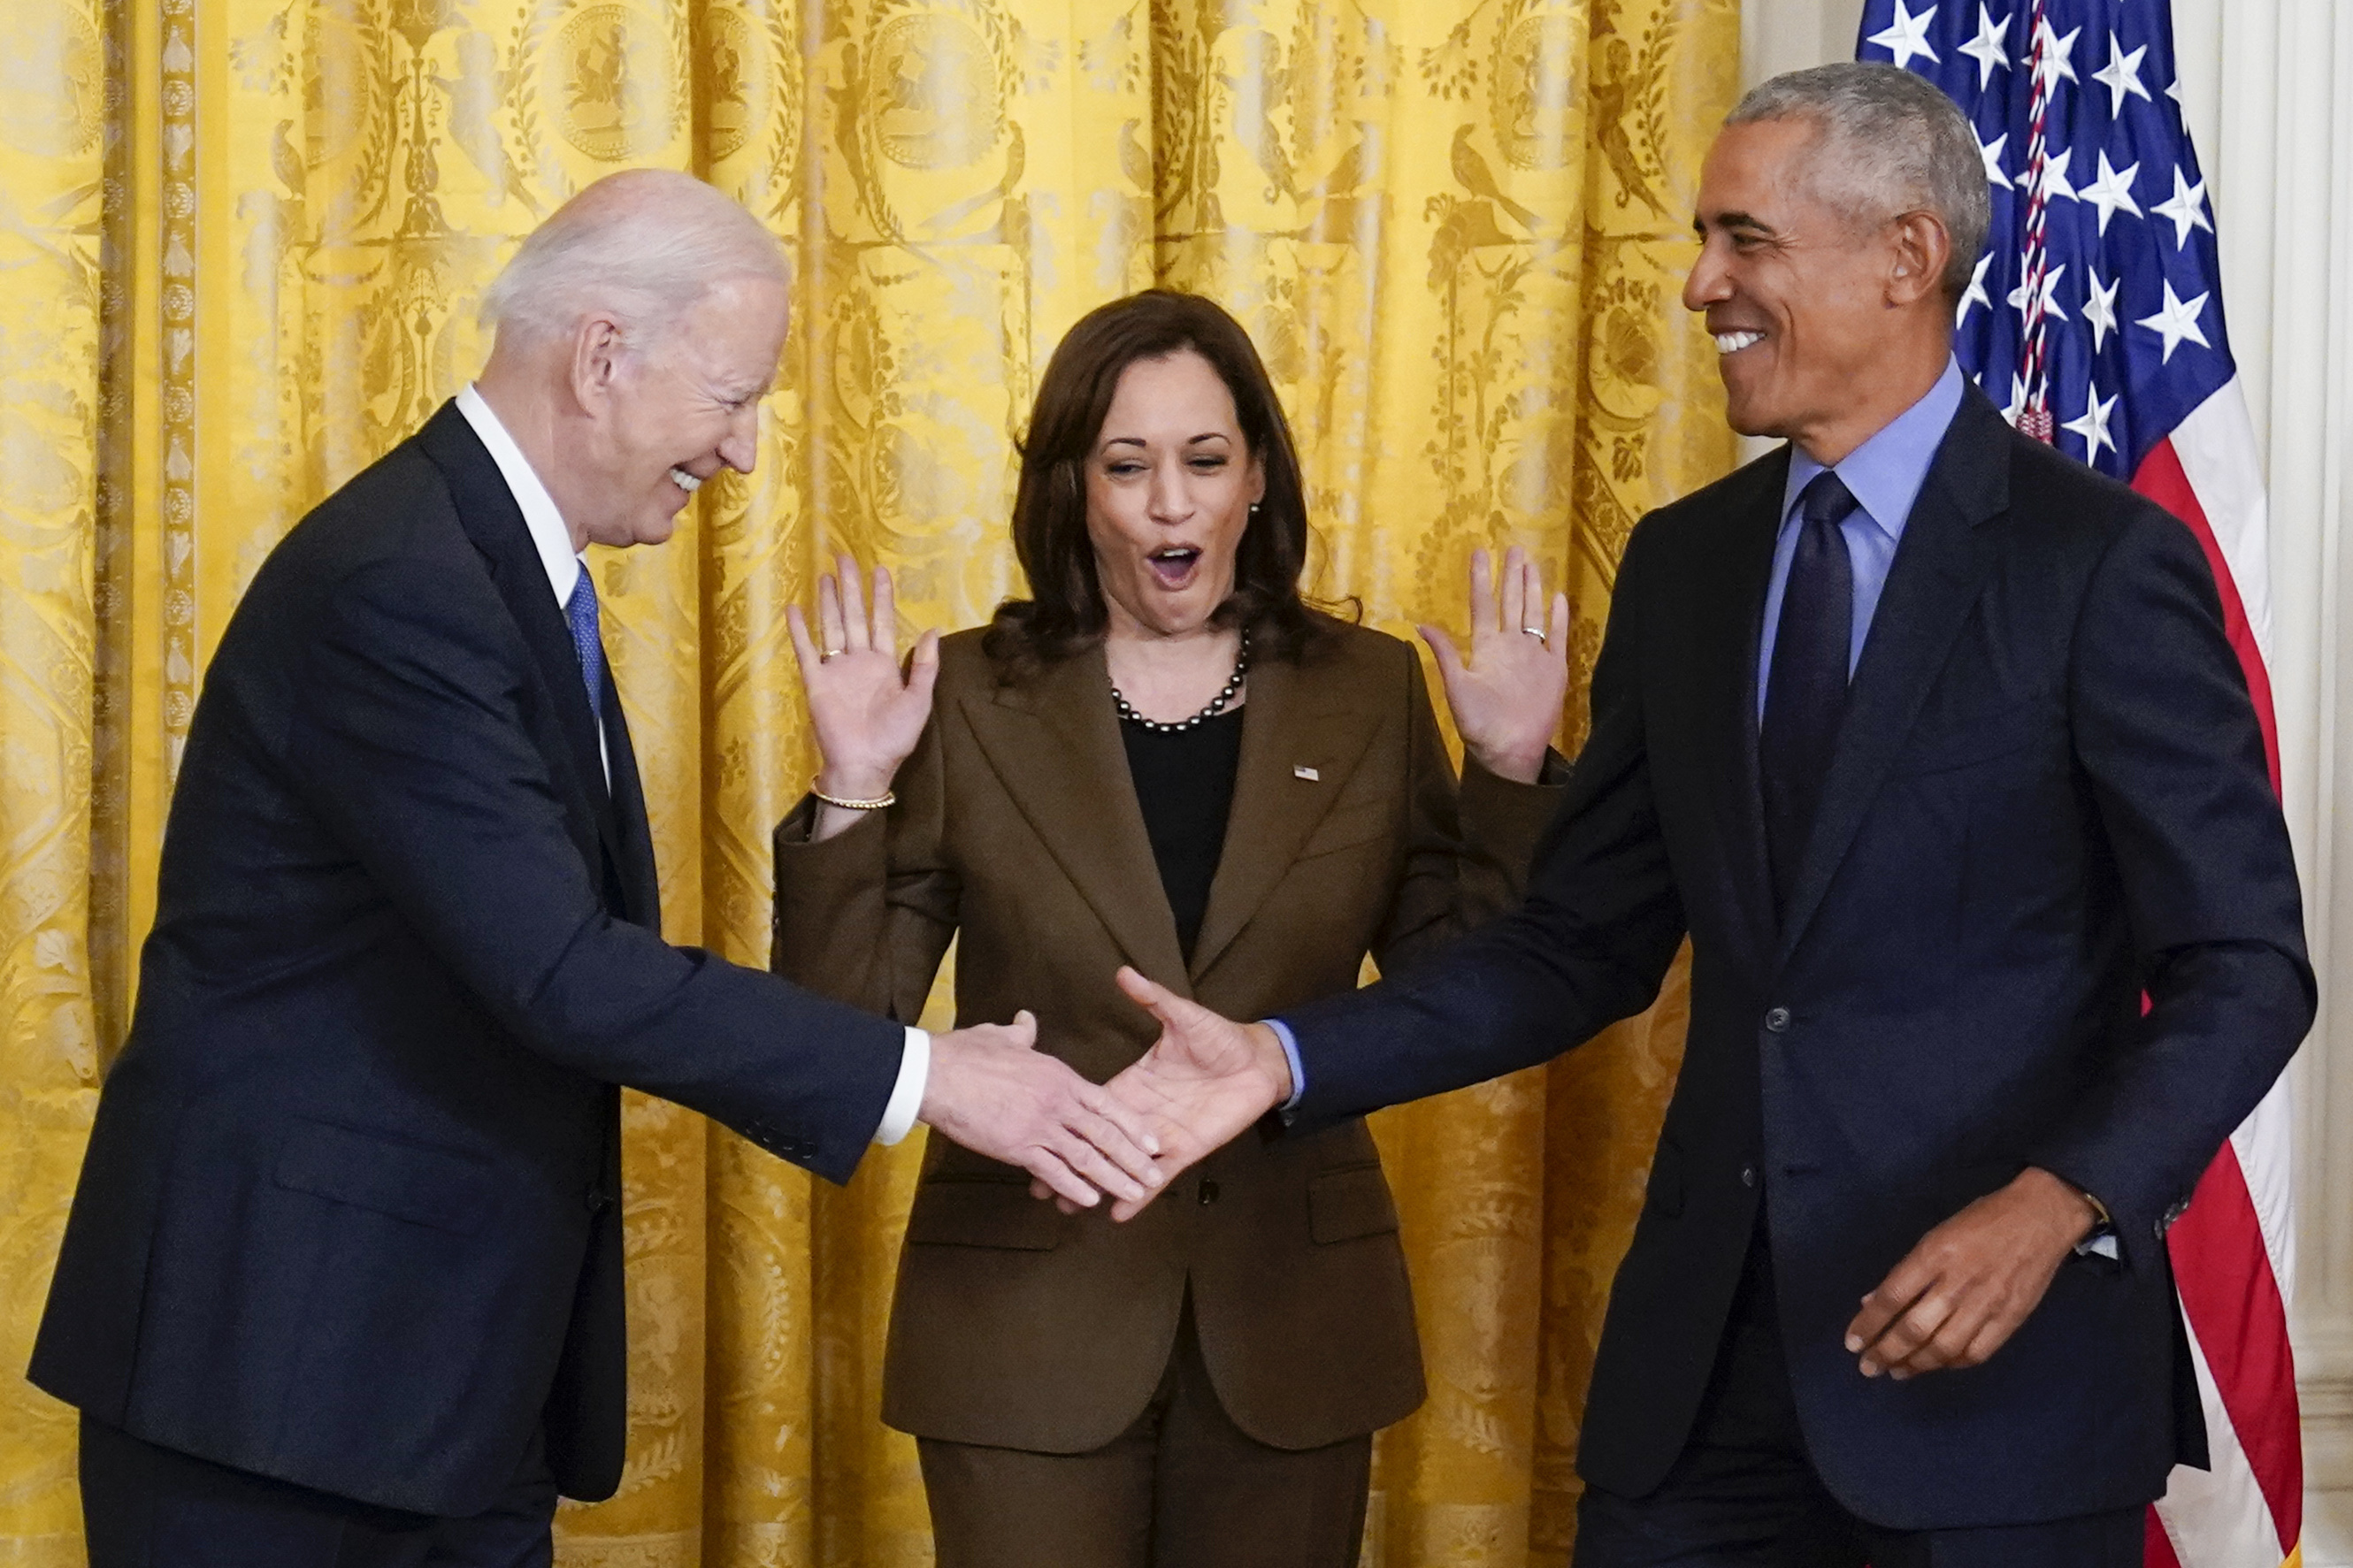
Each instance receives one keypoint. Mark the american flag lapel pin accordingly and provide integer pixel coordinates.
(1303, 772)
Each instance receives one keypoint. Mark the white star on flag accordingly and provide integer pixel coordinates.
(2058, 61)
(2112, 190)
(1908, 34)
(1987, 48)
(2100, 308)
(2185, 208)
(2054, 176)
(2121, 76)
(1977, 294)
(1991, 152)
(2177, 321)
(2048, 306)
(2094, 425)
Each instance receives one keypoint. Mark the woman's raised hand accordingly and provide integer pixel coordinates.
(867, 712)
(1507, 697)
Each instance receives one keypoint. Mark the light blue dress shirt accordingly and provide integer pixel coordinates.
(1884, 476)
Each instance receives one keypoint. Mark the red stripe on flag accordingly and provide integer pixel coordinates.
(2224, 1276)
(2160, 478)
(2220, 1263)
(2156, 1547)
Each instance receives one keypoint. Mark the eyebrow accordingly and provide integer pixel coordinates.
(1139, 441)
(1731, 220)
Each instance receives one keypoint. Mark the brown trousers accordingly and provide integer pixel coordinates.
(1182, 1488)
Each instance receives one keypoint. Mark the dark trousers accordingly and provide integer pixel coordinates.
(1742, 1494)
(146, 1507)
(1182, 1488)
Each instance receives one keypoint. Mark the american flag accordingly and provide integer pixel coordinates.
(2095, 318)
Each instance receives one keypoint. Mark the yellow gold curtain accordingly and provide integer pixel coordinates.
(242, 240)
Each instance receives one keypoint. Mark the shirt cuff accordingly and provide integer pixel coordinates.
(907, 1094)
(1290, 1053)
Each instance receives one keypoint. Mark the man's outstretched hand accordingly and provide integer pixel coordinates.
(1204, 1081)
(992, 1092)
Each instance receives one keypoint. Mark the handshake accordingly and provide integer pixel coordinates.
(1203, 1082)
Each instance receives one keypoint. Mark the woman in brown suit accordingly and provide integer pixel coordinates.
(1163, 758)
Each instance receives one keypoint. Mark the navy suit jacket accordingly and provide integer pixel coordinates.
(349, 1214)
(2048, 796)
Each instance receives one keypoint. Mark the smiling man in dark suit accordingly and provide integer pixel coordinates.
(1930, 740)
(341, 1285)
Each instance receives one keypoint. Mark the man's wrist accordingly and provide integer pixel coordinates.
(1282, 1063)
(2086, 1215)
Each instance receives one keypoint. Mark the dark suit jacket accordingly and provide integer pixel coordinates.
(2049, 795)
(348, 1215)
(1018, 825)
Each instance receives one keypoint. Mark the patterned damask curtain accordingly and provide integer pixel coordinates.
(242, 240)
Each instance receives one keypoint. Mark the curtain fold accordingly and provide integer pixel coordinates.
(244, 241)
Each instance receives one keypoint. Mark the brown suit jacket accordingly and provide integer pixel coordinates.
(1018, 825)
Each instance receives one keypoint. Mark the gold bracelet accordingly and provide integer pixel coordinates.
(887, 798)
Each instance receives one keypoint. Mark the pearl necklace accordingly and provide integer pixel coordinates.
(1128, 714)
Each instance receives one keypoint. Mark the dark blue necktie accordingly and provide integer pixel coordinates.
(580, 611)
(1805, 691)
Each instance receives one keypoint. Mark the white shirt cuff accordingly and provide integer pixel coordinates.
(907, 1094)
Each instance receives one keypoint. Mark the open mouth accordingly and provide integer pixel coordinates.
(1733, 343)
(684, 481)
(1174, 565)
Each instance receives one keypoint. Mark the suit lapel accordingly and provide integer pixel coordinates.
(1933, 584)
(1288, 723)
(1053, 742)
(487, 509)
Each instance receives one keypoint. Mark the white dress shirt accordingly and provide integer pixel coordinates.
(553, 540)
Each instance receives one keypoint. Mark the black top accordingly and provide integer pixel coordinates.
(1184, 784)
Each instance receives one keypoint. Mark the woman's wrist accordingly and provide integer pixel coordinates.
(1519, 763)
(855, 783)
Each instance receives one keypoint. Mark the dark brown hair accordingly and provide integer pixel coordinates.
(1065, 613)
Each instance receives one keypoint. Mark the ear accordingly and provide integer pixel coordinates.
(1257, 479)
(1917, 266)
(596, 349)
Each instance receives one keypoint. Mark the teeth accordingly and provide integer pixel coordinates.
(1733, 343)
(685, 480)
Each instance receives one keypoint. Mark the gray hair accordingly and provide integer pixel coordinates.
(1889, 142)
(644, 244)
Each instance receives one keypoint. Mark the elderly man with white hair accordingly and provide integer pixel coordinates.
(341, 1284)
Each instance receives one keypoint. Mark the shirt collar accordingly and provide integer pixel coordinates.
(1885, 473)
(548, 533)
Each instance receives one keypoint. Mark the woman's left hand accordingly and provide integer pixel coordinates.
(1507, 697)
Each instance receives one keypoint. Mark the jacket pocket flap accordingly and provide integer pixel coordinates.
(984, 1214)
(1344, 1205)
(415, 1182)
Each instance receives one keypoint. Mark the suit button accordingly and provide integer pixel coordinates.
(1747, 1175)
(598, 1201)
(1777, 1021)
(1208, 1193)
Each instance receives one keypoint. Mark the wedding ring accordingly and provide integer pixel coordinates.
(826, 655)
(1537, 633)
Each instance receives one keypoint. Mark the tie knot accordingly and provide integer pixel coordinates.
(1826, 499)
